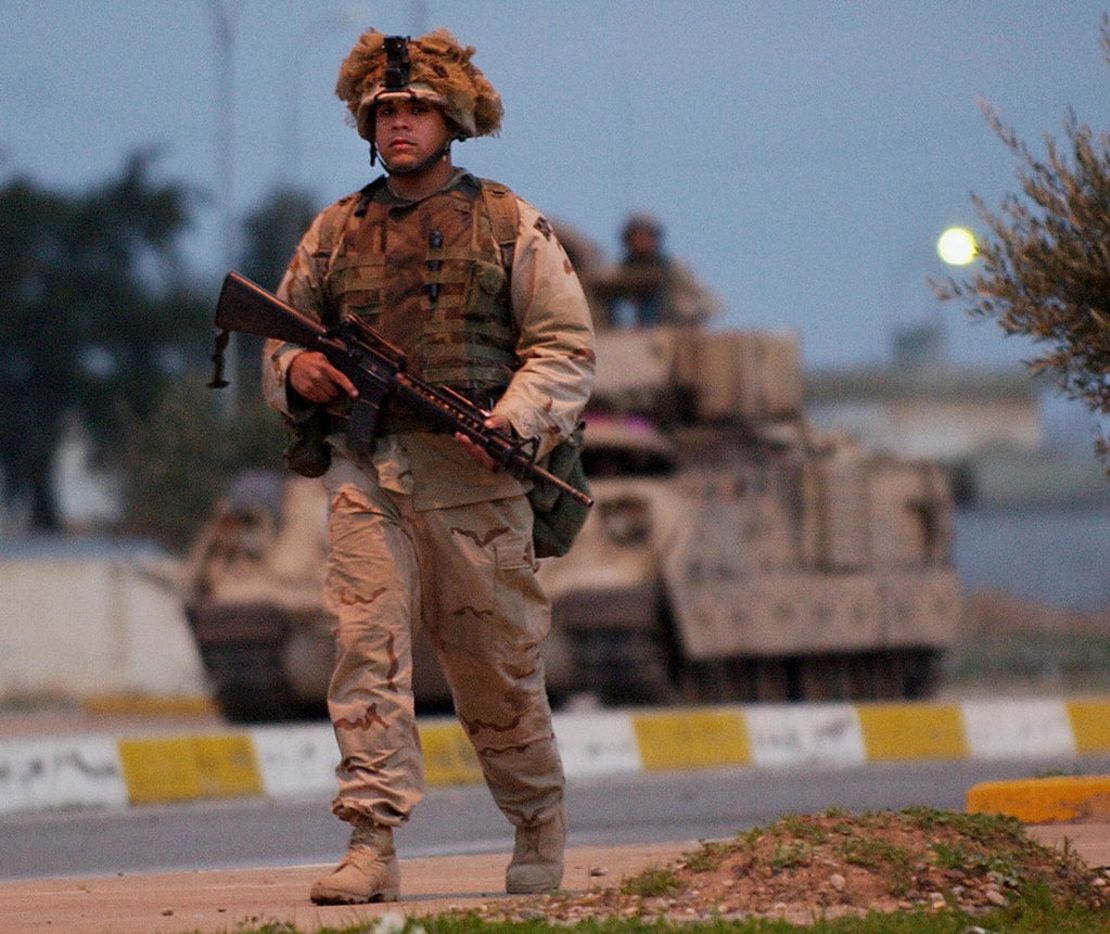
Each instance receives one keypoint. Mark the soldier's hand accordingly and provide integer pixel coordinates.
(313, 377)
(498, 422)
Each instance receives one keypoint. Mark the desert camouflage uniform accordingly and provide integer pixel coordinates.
(422, 533)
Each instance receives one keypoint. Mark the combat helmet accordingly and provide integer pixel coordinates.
(433, 68)
(642, 220)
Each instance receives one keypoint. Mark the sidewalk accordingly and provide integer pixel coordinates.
(1090, 841)
(205, 902)
(211, 902)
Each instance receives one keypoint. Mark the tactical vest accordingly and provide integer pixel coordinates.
(433, 278)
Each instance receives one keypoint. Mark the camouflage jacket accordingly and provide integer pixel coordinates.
(544, 398)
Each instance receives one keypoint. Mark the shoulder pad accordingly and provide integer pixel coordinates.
(504, 214)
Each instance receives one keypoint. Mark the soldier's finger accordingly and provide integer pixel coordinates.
(321, 392)
(340, 380)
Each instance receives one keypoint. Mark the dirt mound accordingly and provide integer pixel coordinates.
(807, 867)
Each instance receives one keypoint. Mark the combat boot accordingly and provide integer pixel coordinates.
(368, 871)
(537, 863)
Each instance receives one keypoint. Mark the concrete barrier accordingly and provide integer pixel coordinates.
(292, 761)
(93, 621)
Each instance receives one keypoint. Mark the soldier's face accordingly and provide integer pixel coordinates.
(642, 243)
(408, 132)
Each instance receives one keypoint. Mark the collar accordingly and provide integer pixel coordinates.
(460, 178)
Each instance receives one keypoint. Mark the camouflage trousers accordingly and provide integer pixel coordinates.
(467, 575)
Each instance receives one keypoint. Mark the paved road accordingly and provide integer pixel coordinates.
(653, 808)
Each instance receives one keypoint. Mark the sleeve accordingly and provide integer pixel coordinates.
(548, 392)
(301, 287)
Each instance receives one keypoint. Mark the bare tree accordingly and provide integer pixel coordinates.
(1044, 271)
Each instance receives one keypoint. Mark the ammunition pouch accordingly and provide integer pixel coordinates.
(307, 451)
(556, 517)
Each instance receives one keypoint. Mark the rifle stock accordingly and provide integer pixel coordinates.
(247, 307)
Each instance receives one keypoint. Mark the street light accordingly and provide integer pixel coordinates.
(957, 246)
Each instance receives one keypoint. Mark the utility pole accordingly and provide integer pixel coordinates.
(349, 17)
(224, 16)
(419, 17)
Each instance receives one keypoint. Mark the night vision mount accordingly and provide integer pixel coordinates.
(398, 68)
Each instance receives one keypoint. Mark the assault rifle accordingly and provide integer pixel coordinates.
(377, 368)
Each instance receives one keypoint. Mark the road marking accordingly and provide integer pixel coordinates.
(1005, 729)
(296, 760)
(290, 761)
(449, 759)
(692, 739)
(39, 774)
(597, 743)
(785, 736)
(912, 731)
(183, 768)
(1090, 722)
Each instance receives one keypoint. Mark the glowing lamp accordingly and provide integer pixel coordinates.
(957, 246)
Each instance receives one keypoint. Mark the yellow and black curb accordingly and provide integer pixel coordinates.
(288, 761)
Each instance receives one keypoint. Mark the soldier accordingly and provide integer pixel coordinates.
(471, 282)
(648, 287)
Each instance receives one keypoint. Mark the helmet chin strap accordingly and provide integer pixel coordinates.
(444, 150)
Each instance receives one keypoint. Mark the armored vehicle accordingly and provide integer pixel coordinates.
(732, 555)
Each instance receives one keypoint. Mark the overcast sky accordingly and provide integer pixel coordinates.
(804, 154)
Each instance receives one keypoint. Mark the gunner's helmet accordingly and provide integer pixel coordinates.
(432, 68)
(641, 221)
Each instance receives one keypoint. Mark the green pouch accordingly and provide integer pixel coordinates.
(308, 452)
(557, 517)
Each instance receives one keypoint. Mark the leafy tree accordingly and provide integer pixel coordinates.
(182, 458)
(1045, 270)
(271, 232)
(95, 313)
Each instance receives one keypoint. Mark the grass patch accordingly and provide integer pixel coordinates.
(653, 882)
(918, 871)
(708, 857)
(786, 855)
(1028, 917)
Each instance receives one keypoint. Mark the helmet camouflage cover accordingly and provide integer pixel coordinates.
(438, 71)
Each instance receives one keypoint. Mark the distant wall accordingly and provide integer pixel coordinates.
(86, 626)
(946, 429)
